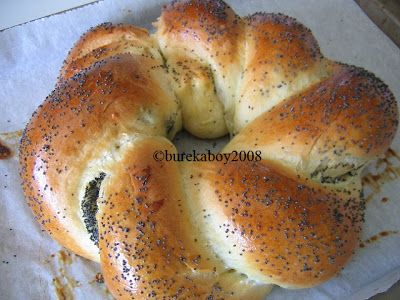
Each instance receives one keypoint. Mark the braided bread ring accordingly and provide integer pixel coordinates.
(189, 230)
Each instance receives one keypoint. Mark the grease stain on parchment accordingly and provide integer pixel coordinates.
(98, 280)
(5, 152)
(377, 237)
(9, 143)
(63, 283)
(383, 170)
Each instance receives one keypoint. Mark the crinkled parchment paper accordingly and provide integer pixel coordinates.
(31, 264)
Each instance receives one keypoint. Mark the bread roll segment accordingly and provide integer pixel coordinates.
(211, 33)
(282, 58)
(206, 230)
(330, 130)
(151, 245)
(80, 126)
(104, 41)
(272, 225)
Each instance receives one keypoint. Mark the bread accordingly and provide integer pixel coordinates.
(222, 230)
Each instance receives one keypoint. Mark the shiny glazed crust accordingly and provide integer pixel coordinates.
(198, 230)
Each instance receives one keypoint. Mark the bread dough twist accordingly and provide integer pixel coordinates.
(194, 230)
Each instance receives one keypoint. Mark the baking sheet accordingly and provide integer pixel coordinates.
(33, 266)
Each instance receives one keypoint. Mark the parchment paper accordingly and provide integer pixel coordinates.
(31, 264)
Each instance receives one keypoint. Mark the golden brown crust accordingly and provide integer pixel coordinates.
(76, 124)
(210, 27)
(282, 58)
(210, 32)
(100, 42)
(169, 229)
(272, 225)
(149, 244)
(330, 129)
